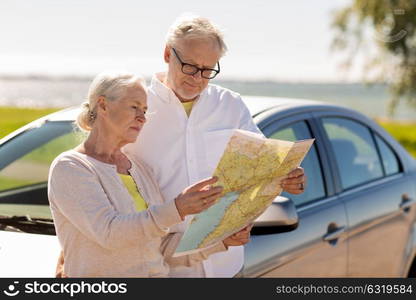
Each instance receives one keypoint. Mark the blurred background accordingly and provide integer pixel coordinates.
(359, 54)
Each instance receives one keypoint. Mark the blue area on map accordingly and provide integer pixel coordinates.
(205, 222)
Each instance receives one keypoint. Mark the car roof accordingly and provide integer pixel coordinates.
(258, 104)
(255, 104)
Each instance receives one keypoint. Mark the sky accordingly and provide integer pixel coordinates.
(267, 39)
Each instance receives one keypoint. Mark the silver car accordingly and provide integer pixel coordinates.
(355, 219)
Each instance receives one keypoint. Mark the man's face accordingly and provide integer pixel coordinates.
(203, 53)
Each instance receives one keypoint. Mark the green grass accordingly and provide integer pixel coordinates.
(9, 183)
(11, 118)
(404, 133)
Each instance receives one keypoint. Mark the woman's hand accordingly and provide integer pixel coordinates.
(198, 197)
(59, 272)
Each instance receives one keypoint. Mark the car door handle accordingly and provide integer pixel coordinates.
(406, 203)
(334, 234)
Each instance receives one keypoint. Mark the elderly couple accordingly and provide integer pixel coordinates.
(121, 201)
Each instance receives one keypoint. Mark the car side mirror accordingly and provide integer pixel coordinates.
(280, 216)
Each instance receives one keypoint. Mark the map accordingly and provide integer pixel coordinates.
(250, 170)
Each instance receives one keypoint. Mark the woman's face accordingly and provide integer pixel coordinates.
(126, 116)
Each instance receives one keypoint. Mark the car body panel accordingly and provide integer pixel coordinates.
(302, 252)
(378, 228)
(28, 255)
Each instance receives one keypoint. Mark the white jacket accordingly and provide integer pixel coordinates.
(181, 150)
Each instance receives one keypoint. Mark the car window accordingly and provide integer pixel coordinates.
(390, 163)
(354, 150)
(315, 186)
(27, 157)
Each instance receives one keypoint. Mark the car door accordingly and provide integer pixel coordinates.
(28, 245)
(376, 193)
(317, 248)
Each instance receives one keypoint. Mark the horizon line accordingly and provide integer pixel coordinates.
(89, 77)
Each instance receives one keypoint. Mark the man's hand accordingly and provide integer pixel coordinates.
(295, 182)
(239, 238)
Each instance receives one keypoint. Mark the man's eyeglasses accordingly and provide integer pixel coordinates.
(189, 69)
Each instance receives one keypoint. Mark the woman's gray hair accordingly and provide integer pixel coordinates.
(112, 86)
(192, 26)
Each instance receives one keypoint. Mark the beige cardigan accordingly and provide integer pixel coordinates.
(101, 233)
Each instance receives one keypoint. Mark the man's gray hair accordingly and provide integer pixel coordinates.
(192, 26)
(110, 85)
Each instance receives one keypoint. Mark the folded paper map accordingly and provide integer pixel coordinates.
(250, 170)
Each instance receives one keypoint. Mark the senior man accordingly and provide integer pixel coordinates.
(191, 118)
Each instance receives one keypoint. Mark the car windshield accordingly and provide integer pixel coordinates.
(24, 168)
(25, 159)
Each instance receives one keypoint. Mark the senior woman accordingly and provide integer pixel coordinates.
(110, 217)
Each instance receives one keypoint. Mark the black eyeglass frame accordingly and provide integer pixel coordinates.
(197, 69)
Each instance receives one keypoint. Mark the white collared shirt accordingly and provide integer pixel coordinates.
(182, 151)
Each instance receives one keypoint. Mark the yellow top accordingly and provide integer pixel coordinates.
(188, 106)
(134, 192)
